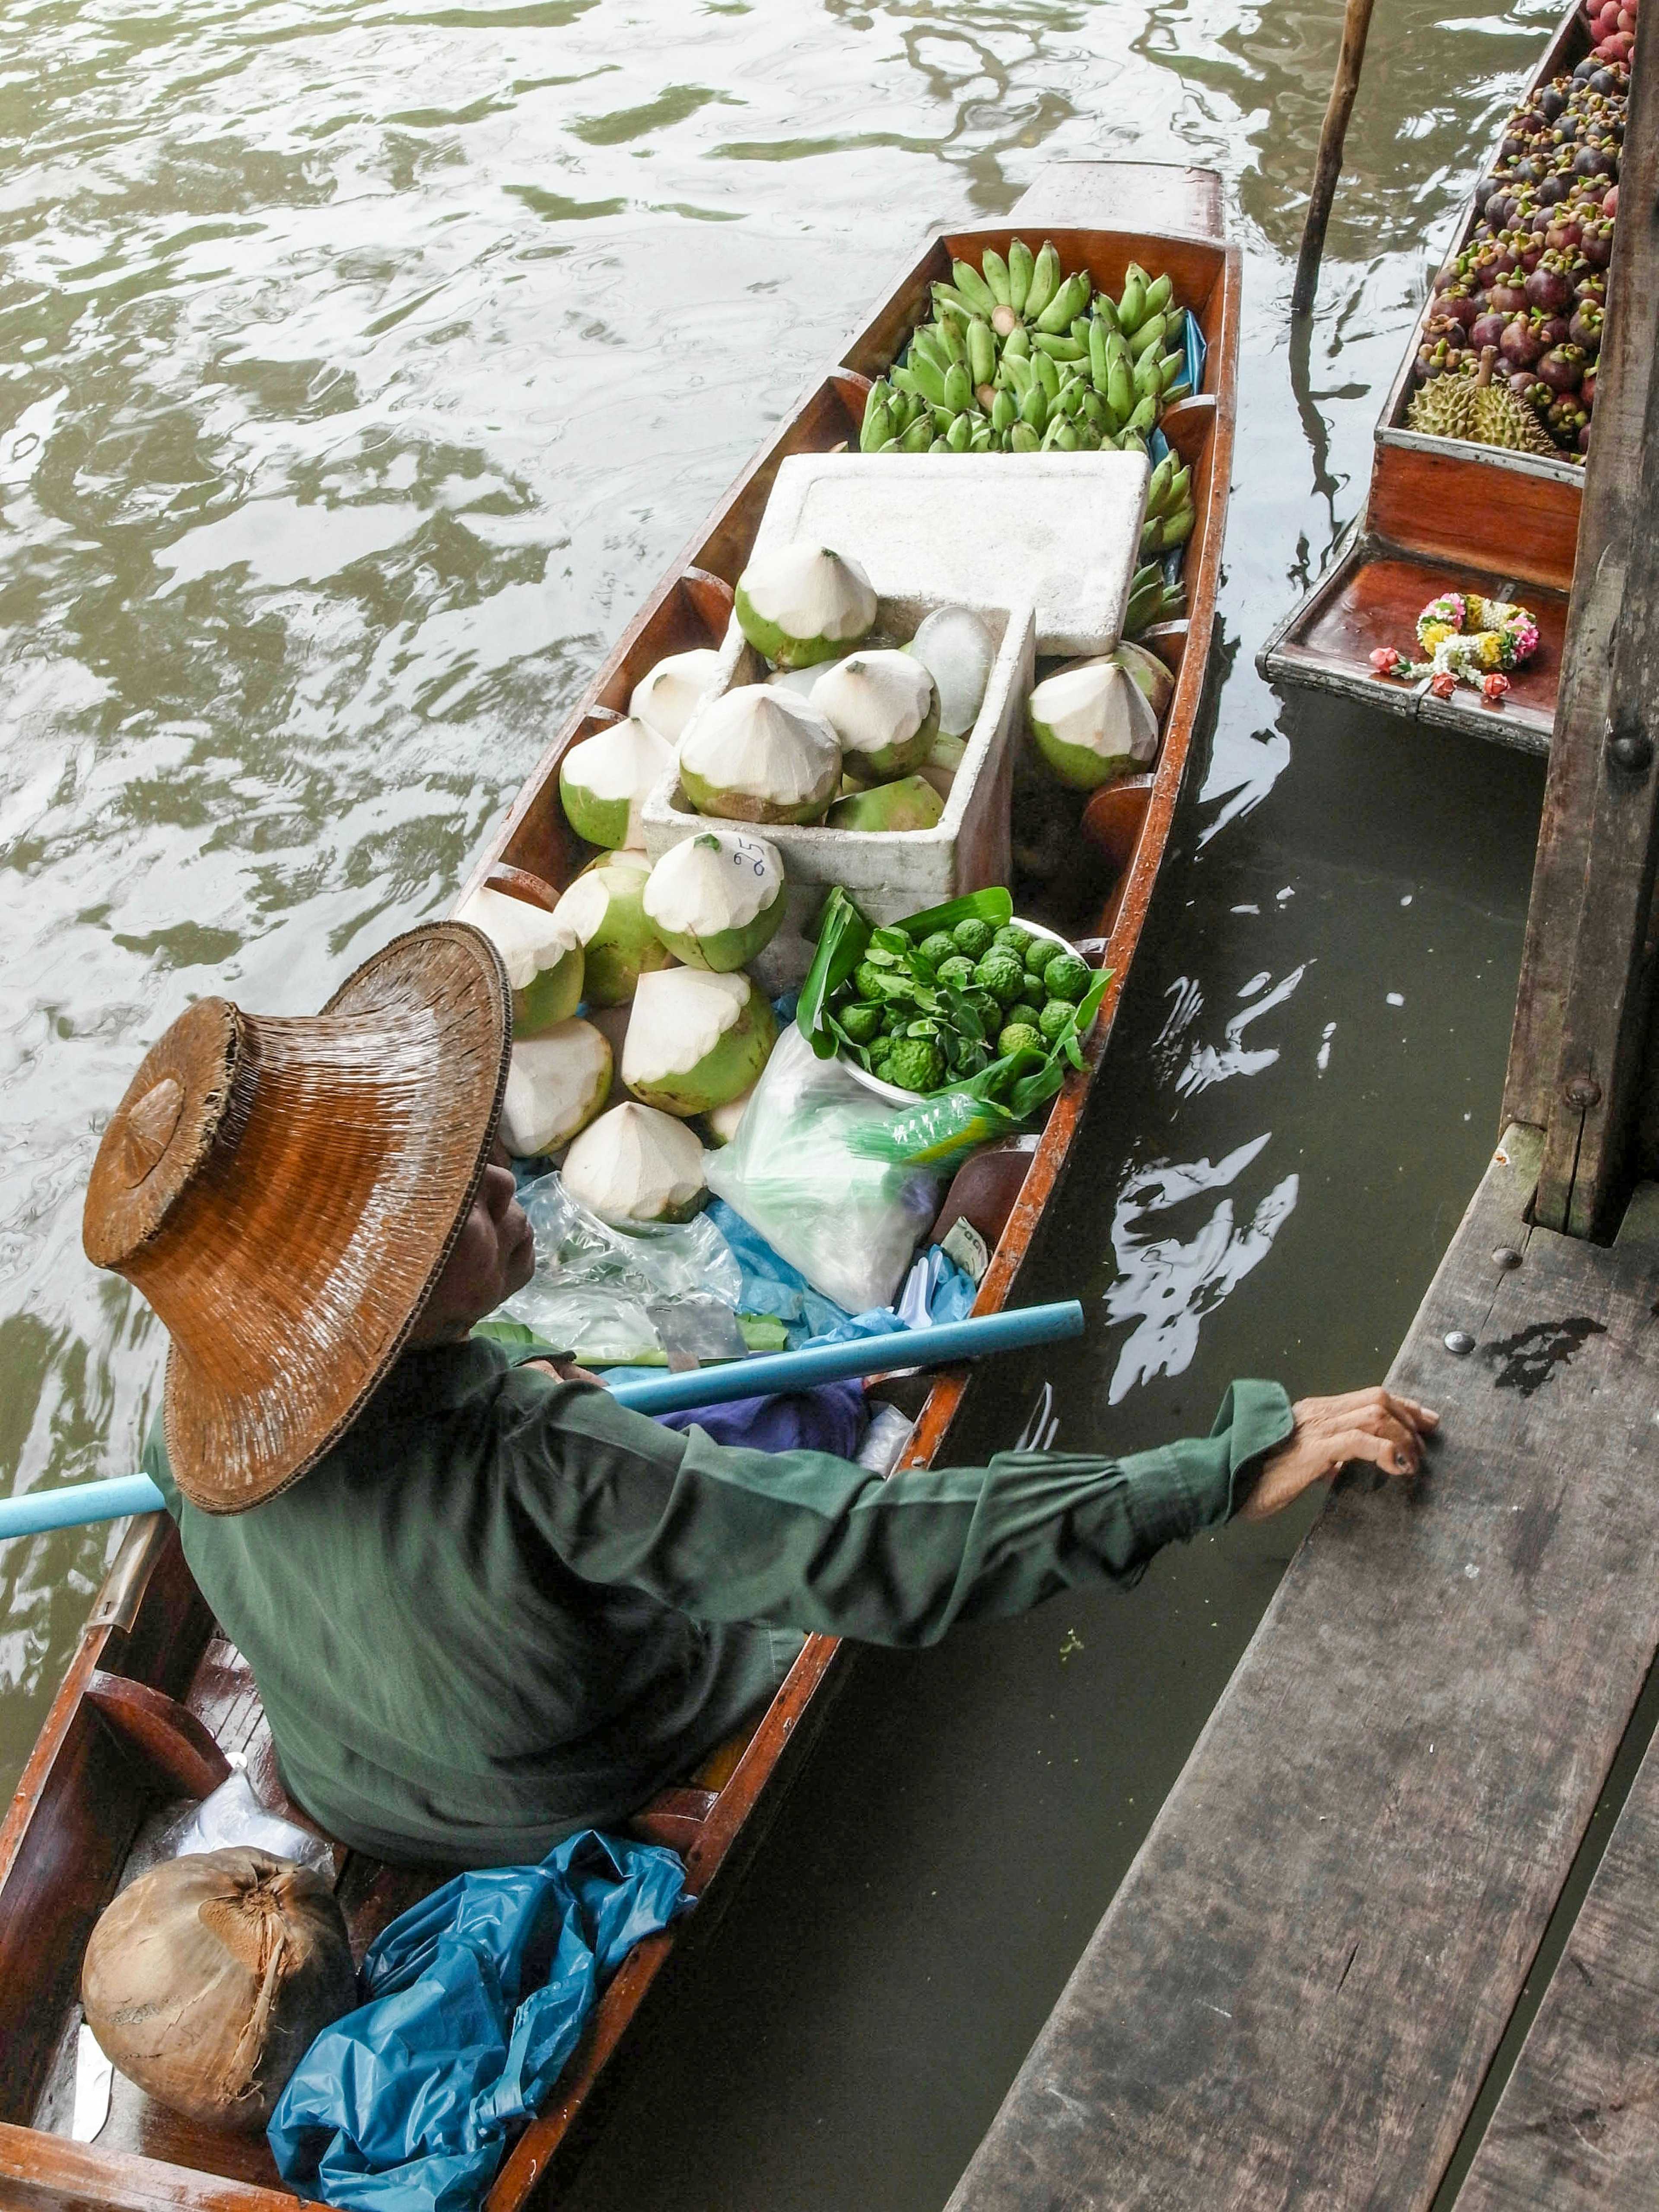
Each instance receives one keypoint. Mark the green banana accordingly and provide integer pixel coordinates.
(920, 435)
(1017, 372)
(1159, 293)
(953, 337)
(1171, 369)
(1106, 310)
(996, 276)
(959, 388)
(877, 428)
(1097, 412)
(1021, 264)
(1045, 280)
(1065, 436)
(1143, 418)
(902, 379)
(1158, 484)
(1120, 383)
(1130, 441)
(973, 288)
(1147, 381)
(1070, 401)
(1051, 435)
(1059, 349)
(1018, 343)
(1071, 299)
(981, 351)
(1180, 491)
(1046, 374)
(1132, 307)
(944, 416)
(1097, 355)
(959, 432)
(1177, 391)
(1149, 334)
(1022, 439)
(940, 446)
(891, 446)
(930, 377)
(1079, 328)
(1150, 535)
(1034, 408)
(1005, 412)
(946, 295)
(1088, 437)
(926, 342)
(1177, 528)
(981, 440)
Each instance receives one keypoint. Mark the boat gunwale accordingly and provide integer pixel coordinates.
(746, 1803)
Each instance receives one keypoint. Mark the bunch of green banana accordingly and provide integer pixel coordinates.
(1169, 507)
(1153, 599)
(1020, 358)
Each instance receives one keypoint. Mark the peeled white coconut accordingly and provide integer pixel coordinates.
(1149, 671)
(555, 1084)
(799, 680)
(722, 1123)
(603, 910)
(1093, 722)
(666, 700)
(883, 708)
(717, 898)
(759, 754)
(634, 1164)
(543, 956)
(957, 651)
(696, 1039)
(604, 780)
(797, 604)
(910, 803)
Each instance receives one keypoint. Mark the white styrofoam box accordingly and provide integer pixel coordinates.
(891, 873)
(1062, 530)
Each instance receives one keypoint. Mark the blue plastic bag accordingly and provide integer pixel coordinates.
(477, 1997)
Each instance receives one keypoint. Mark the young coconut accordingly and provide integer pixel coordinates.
(695, 1039)
(956, 648)
(1091, 723)
(1149, 671)
(759, 754)
(666, 698)
(800, 681)
(884, 708)
(602, 908)
(635, 1164)
(722, 1124)
(912, 803)
(541, 953)
(604, 780)
(716, 899)
(209, 1978)
(802, 603)
(555, 1086)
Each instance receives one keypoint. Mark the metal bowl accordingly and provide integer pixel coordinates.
(891, 1091)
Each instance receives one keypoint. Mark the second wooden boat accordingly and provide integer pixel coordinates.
(156, 1705)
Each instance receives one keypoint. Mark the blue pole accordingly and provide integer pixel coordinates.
(77, 1504)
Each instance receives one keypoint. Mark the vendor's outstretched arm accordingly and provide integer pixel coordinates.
(806, 1541)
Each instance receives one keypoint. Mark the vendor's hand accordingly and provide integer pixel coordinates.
(565, 1371)
(1329, 1432)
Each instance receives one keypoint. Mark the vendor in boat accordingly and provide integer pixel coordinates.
(484, 1604)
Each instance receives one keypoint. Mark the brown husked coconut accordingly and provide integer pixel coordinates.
(207, 1980)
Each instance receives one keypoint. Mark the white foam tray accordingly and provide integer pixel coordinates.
(891, 873)
(1060, 530)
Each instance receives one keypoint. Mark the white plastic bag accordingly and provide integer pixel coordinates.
(847, 1220)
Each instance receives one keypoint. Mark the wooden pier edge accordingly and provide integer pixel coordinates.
(1296, 1995)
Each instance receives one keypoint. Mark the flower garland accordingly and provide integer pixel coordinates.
(1469, 638)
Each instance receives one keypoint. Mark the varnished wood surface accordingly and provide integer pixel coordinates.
(1445, 504)
(1294, 1998)
(717, 1828)
(1576, 2129)
(49, 2173)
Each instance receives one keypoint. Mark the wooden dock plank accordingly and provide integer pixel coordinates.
(1294, 1996)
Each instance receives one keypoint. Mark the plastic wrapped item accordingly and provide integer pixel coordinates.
(231, 1814)
(804, 1170)
(595, 1286)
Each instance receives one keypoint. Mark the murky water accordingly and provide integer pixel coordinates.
(360, 367)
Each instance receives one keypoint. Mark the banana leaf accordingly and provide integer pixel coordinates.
(994, 905)
(844, 938)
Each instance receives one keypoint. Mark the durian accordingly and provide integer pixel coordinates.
(1472, 407)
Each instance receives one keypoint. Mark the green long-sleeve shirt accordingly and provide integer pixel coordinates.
(504, 1607)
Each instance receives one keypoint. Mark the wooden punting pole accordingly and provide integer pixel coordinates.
(1356, 23)
(1582, 1064)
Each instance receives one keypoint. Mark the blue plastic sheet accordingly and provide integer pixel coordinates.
(477, 1997)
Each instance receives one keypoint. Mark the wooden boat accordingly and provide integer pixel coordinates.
(156, 1704)
(1444, 515)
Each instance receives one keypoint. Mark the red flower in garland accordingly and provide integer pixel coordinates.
(1385, 660)
(1494, 687)
(1443, 684)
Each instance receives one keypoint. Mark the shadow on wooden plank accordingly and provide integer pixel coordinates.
(1295, 1996)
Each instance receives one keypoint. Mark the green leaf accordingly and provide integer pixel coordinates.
(994, 904)
(843, 939)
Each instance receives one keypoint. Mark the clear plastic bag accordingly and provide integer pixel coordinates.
(802, 1170)
(595, 1286)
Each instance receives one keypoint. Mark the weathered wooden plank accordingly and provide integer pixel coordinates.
(1579, 2122)
(1294, 1998)
(1614, 520)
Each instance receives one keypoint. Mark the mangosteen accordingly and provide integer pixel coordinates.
(1519, 343)
(1507, 298)
(1550, 102)
(1550, 286)
(1455, 306)
(1586, 69)
(1487, 330)
(1593, 161)
(1550, 330)
(1595, 242)
(1561, 368)
(1587, 390)
(1553, 188)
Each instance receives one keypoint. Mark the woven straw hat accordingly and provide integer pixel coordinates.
(285, 1194)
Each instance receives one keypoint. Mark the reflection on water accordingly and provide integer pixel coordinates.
(361, 362)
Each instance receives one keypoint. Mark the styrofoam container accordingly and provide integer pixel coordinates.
(955, 527)
(891, 873)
